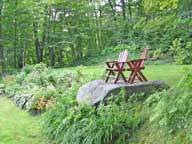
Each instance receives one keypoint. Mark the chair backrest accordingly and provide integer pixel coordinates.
(123, 56)
(144, 56)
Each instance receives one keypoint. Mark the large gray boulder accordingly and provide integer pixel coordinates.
(95, 91)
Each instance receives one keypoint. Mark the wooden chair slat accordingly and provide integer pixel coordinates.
(117, 68)
(120, 56)
(144, 56)
(125, 55)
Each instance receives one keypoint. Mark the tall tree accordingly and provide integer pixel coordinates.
(16, 35)
(123, 9)
(1, 39)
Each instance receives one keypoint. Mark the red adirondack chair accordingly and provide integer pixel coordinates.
(135, 66)
(115, 69)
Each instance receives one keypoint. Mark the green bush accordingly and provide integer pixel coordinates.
(170, 112)
(28, 69)
(43, 99)
(70, 123)
(11, 87)
(181, 51)
(36, 88)
(20, 77)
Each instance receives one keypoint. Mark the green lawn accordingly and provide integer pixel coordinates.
(17, 126)
(169, 73)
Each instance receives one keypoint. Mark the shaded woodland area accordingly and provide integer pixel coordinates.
(64, 32)
(42, 44)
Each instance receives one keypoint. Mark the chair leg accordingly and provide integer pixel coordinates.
(142, 76)
(133, 78)
(130, 77)
(107, 77)
(137, 74)
(116, 78)
(123, 77)
(139, 77)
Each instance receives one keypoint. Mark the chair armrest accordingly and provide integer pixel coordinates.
(110, 62)
(134, 60)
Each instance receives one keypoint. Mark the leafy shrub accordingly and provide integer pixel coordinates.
(171, 111)
(38, 76)
(157, 54)
(36, 88)
(20, 77)
(70, 123)
(182, 53)
(11, 87)
(28, 68)
(178, 52)
(43, 99)
(9, 79)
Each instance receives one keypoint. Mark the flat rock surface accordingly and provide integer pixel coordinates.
(95, 91)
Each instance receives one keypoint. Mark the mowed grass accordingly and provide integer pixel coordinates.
(168, 73)
(17, 126)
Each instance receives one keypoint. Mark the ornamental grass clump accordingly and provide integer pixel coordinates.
(68, 122)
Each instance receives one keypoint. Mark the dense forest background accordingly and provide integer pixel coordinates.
(67, 32)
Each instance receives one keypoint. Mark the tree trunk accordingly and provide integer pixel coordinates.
(37, 43)
(20, 57)
(123, 9)
(16, 36)
(44, 36)
(79, 50)
(1, 42)
(51, 28)
(60, 57)
(129, 8)
(52, 58)
(60, 51)
(113, 10)
(22, 54)
(140, 3)
(98, 41)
